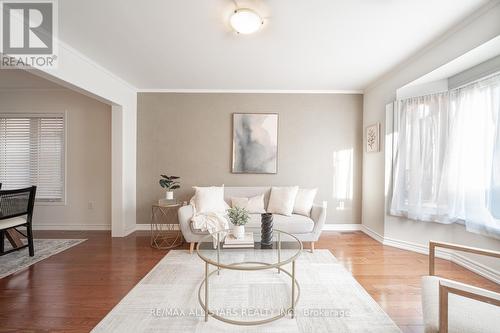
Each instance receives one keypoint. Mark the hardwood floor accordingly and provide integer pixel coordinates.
(72, 291)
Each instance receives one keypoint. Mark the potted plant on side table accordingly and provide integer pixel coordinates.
(238, 217)
(170, 183)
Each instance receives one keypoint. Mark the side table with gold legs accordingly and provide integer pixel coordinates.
(165, 230)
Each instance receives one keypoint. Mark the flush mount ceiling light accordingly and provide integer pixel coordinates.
(245, 21)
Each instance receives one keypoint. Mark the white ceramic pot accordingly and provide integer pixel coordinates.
(239, 231)
(169, 195)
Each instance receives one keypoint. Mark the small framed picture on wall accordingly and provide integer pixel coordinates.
(373, 138)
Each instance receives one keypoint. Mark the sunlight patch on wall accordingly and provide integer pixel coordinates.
(343, 178)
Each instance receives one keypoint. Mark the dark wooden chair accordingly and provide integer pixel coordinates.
(16, 210)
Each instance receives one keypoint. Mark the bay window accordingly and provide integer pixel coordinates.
(446, 157)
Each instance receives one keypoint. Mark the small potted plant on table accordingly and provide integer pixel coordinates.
(170, 183)
(238, 217)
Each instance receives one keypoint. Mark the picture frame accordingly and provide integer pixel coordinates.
(255, 143)
(373, 138)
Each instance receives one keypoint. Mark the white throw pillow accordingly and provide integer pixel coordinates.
(304, 201)
(239, 202)
(282, 200)
(254, 205)
(210, 200)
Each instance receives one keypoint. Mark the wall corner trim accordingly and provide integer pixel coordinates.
(372, 233)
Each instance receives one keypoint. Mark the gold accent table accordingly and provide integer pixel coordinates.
(165, 230)
(285, 248)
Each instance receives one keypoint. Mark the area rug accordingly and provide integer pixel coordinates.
(44, 248)
(166, 299)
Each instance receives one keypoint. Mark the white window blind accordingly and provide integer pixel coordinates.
(32, 153)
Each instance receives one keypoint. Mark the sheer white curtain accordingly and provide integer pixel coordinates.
(447, 157)
(421, 136)
(473, 159)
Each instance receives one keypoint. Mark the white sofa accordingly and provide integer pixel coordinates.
(307, 229)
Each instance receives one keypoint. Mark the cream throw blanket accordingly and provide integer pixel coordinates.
(209, 221)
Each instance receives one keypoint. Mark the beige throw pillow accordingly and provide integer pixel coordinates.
(282, 200)
(304, 201)
(239, 202)
(254, 205)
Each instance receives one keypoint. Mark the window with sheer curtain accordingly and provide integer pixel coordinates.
(32, 153)
(446, 157)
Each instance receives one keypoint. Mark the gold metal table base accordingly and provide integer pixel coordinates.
(162, 240)
(291, 310)
(165, 235)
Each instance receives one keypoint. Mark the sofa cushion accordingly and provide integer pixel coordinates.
(304, 201)
(209, 199)
(246, 192)
(464, 314)
(12, 222)
(295, 224)
(282, 200)
(254, 205)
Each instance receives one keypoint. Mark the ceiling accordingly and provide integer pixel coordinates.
(304, 45)
(474, 57)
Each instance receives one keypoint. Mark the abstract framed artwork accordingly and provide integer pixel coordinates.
(255, 143)
(373, 138)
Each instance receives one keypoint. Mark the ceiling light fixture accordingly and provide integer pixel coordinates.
(245, 21)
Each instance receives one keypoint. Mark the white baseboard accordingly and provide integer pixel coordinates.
(75, 227)
(457, 258)
(84, 227)
(130, 230)
(341, 227)
(147, 227)
(477, 267)
(372, 233)
(326, 227)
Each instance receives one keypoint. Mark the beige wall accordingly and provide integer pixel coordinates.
(482, 27)
(190, 135)
(88, 155)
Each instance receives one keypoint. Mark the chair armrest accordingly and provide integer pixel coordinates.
(447, 287)
(466, 290)
(318, 215)
(475, 250)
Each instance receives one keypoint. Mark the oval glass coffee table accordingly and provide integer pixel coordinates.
(284, 249)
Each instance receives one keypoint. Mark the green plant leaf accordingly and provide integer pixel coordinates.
(169, 183)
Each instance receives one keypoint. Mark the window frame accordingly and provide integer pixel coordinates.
(48, 114)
